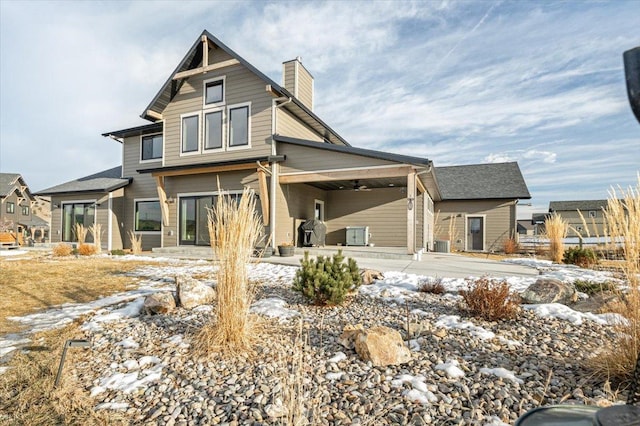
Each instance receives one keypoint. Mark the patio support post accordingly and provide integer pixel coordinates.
(411, 212)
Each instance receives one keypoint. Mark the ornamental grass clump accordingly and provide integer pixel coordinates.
(327, 280)
(491, 300)
(62, 249)
(136, 242)
(616, 362)
(96, 234)
(556, 231)
(234, 229)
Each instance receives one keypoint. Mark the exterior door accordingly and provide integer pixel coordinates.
(475, 233)
(194, 213)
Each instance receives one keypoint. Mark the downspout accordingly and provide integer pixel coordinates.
(273, 187)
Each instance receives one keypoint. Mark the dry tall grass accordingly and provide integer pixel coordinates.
(234, 229)
(81, 233)
(622, 224)
(27, 395)
(556, 231)
(96, 232)
(62, 249)
(136, 242)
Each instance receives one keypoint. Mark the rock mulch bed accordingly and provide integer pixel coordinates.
(460, 372)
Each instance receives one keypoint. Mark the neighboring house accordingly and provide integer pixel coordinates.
(219, 119)
(526, 227)
(591, 211)
(16, 212)
(477, 211)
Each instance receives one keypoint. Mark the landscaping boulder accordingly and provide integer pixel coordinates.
(550, 290)
(348, 336)
(370, 275)
(159, 303)
(382, 346)
(192, 293)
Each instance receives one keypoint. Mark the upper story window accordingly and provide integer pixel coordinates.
(214, 92)
(213, 130)
(151, 148)
(190, 140)
(11, 207)
(238, 126)
(25, 210)
(593, 214)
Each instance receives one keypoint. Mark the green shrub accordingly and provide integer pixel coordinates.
(490, 299)
(583, 257)
(117, 252)
(592, 287)
(327, 280)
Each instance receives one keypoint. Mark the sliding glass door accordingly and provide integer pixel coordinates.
(74, 214)
(194, 213)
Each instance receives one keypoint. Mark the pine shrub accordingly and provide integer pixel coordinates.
(583, 257)
(327, 280)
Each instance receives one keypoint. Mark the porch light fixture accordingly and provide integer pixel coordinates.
(171, 200)
(410, 203)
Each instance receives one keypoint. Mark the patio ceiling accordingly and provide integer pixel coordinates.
(371, 183)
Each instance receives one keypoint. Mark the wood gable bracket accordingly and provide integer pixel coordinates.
(162, 196)
(264, 192)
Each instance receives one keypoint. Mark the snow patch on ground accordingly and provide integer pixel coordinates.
(560, 311)
(503, 373)
(451, 369)
(419, 391)
(339, 356)
(273, 307)
(453, 321)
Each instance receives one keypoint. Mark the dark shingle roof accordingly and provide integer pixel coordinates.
(582, 205)
(9, 181)
(104, 181)
(137, 131)
(482, 181)
(381, 155)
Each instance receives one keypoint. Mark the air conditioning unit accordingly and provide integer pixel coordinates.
(442, 246)
(357, 236)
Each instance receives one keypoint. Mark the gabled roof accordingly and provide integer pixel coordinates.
(582, 205)
(10, 182)
(194, 57)
(418, 161)
(482, 181)
(104, 181)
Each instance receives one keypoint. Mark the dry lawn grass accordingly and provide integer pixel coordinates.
(27, 395)
(31, 285)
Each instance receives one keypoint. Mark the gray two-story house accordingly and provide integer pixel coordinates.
(219, 119)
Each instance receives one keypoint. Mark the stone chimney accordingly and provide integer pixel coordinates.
(297, 80)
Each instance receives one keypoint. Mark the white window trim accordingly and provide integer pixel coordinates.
(198, 133)
(484, 231)
(205, 105)
(224, 130)
(153, 160)
(13, 207)
(229, 108)
(133, 228)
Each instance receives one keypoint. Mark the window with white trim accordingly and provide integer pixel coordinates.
(151, 148)
(11, 207)
(239, 126)
(214, 92)
(25, 210)
(148, 216)
(213, 130)
(190, 141)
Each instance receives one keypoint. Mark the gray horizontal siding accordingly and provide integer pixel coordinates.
(499, 221)
(241, 86)
(301, 158)
(288, 125)
(295, 203)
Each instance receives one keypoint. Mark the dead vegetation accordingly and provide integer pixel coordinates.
(622, 224)
(490, 299)
(556, 231)
(234, 230)
(27, 394)
(45, 282)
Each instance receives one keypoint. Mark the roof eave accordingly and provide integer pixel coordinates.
(111, 188)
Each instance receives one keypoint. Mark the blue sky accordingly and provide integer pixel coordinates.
(458, 82)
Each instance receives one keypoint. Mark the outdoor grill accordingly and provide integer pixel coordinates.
(313, 233)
